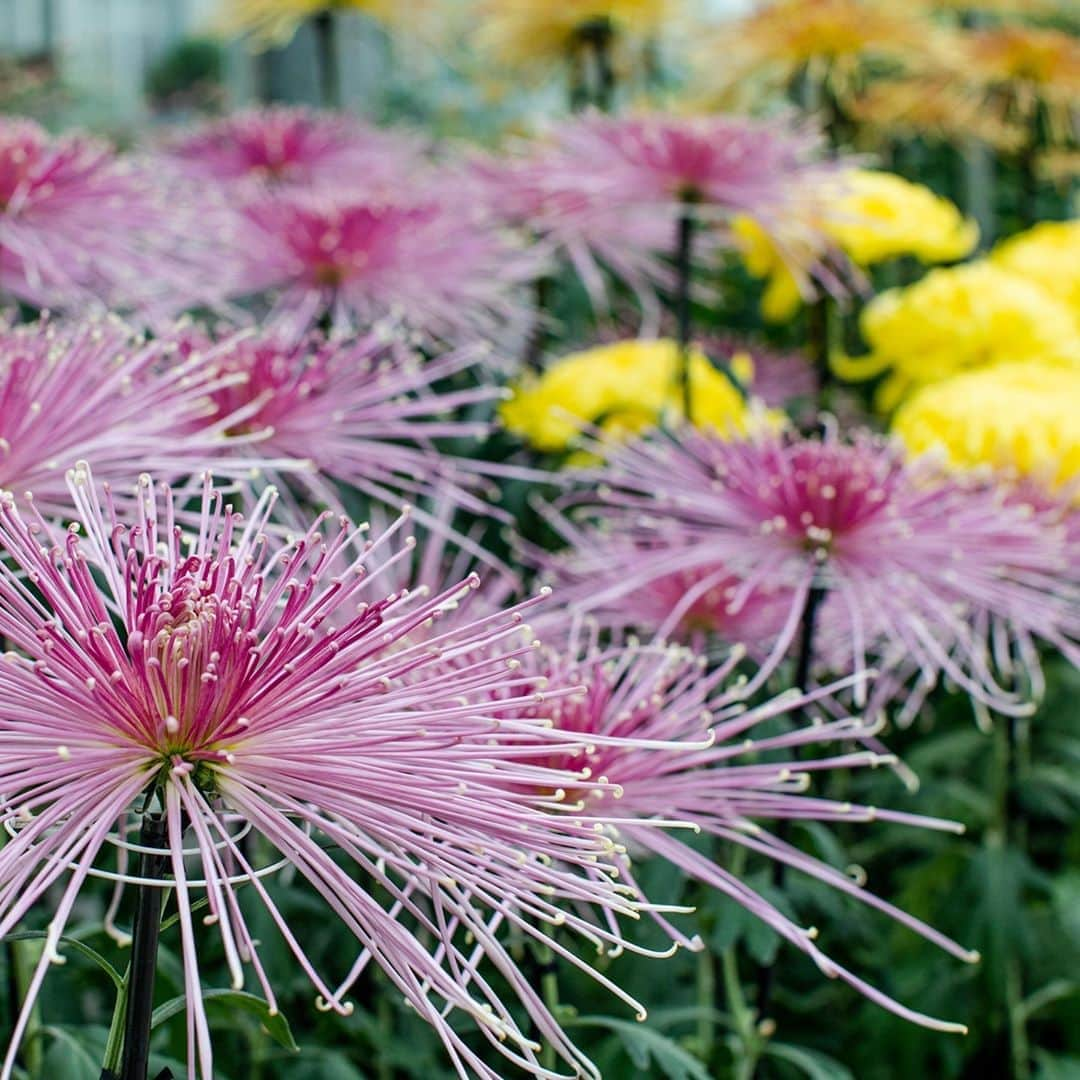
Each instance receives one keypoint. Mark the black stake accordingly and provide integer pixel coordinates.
(144, 948)
(326, 48)
(803, 663)
(683, 261)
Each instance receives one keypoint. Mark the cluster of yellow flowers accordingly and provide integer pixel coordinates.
(982, 361)
(871, 217)
(622, 389)
(969, 316)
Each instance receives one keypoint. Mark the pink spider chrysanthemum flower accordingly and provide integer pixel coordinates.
(95, 387)
(573, 215)
(219, 682)
(912, 569)
(440, 269)
(364, 413)
(82, 228)
(256, 149)
(638, 701)
(717, 165)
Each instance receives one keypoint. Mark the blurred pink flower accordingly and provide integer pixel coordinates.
(257, 149)
(921, 572)
(431, 267)
(81, 228)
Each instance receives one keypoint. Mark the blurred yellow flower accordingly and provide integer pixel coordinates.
(871, 217)
(830, 41)
(519, 33)
(1022, 418)
(273, 22)
(622, 389)
(880, 216)
(1021, 68)
(969, 316)
(1049, 255)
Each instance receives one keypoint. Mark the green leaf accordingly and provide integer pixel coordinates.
(78, 946)
(813, 1063)
(277, 1027)
(643, 1045)
(68, 1057)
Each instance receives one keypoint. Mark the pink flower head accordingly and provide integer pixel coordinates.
(82, 228)
(721, 164)
(273, 147)
(431, 267)
(215, 677)
(921, 572)
(572, 213)
(94, 387)
(678, 744)
(363, 413)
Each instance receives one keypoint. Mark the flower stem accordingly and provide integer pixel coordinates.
(684, 246)
(139, 1006)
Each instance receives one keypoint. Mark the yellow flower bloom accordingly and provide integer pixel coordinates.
(1022, 418)
(622, 389)
(871, 217)
(523, 32)
(968, 316)
(880, 216)
(1020, 68)
(273, 22)
(1049, 255)
(831, 40)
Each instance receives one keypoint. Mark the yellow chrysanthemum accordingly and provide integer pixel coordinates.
(523, 32)
(880, 216)
(1023, 67)
(831, 40)
(963, 317)
(1023, 418)
(274, 22)
(622, 389)
(871, 217)
(1048, 254)
(933, 106)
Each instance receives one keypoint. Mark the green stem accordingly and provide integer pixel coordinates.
(114, 1044)
(24, 956)
(549, 989)
(706, 996)
(748, 1041)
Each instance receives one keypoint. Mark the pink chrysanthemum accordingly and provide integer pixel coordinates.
(919, 571)
(364, 413)
(275, 147)
(572, 213)
(217, 677)
(721, 165)
(637, 703)
(95, 388)
(82, 228)
(433, 267)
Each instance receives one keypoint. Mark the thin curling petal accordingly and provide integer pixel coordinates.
(96, 388)
(679, 744)
(233, 683)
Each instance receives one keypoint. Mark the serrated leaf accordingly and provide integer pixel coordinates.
(277, 1027)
